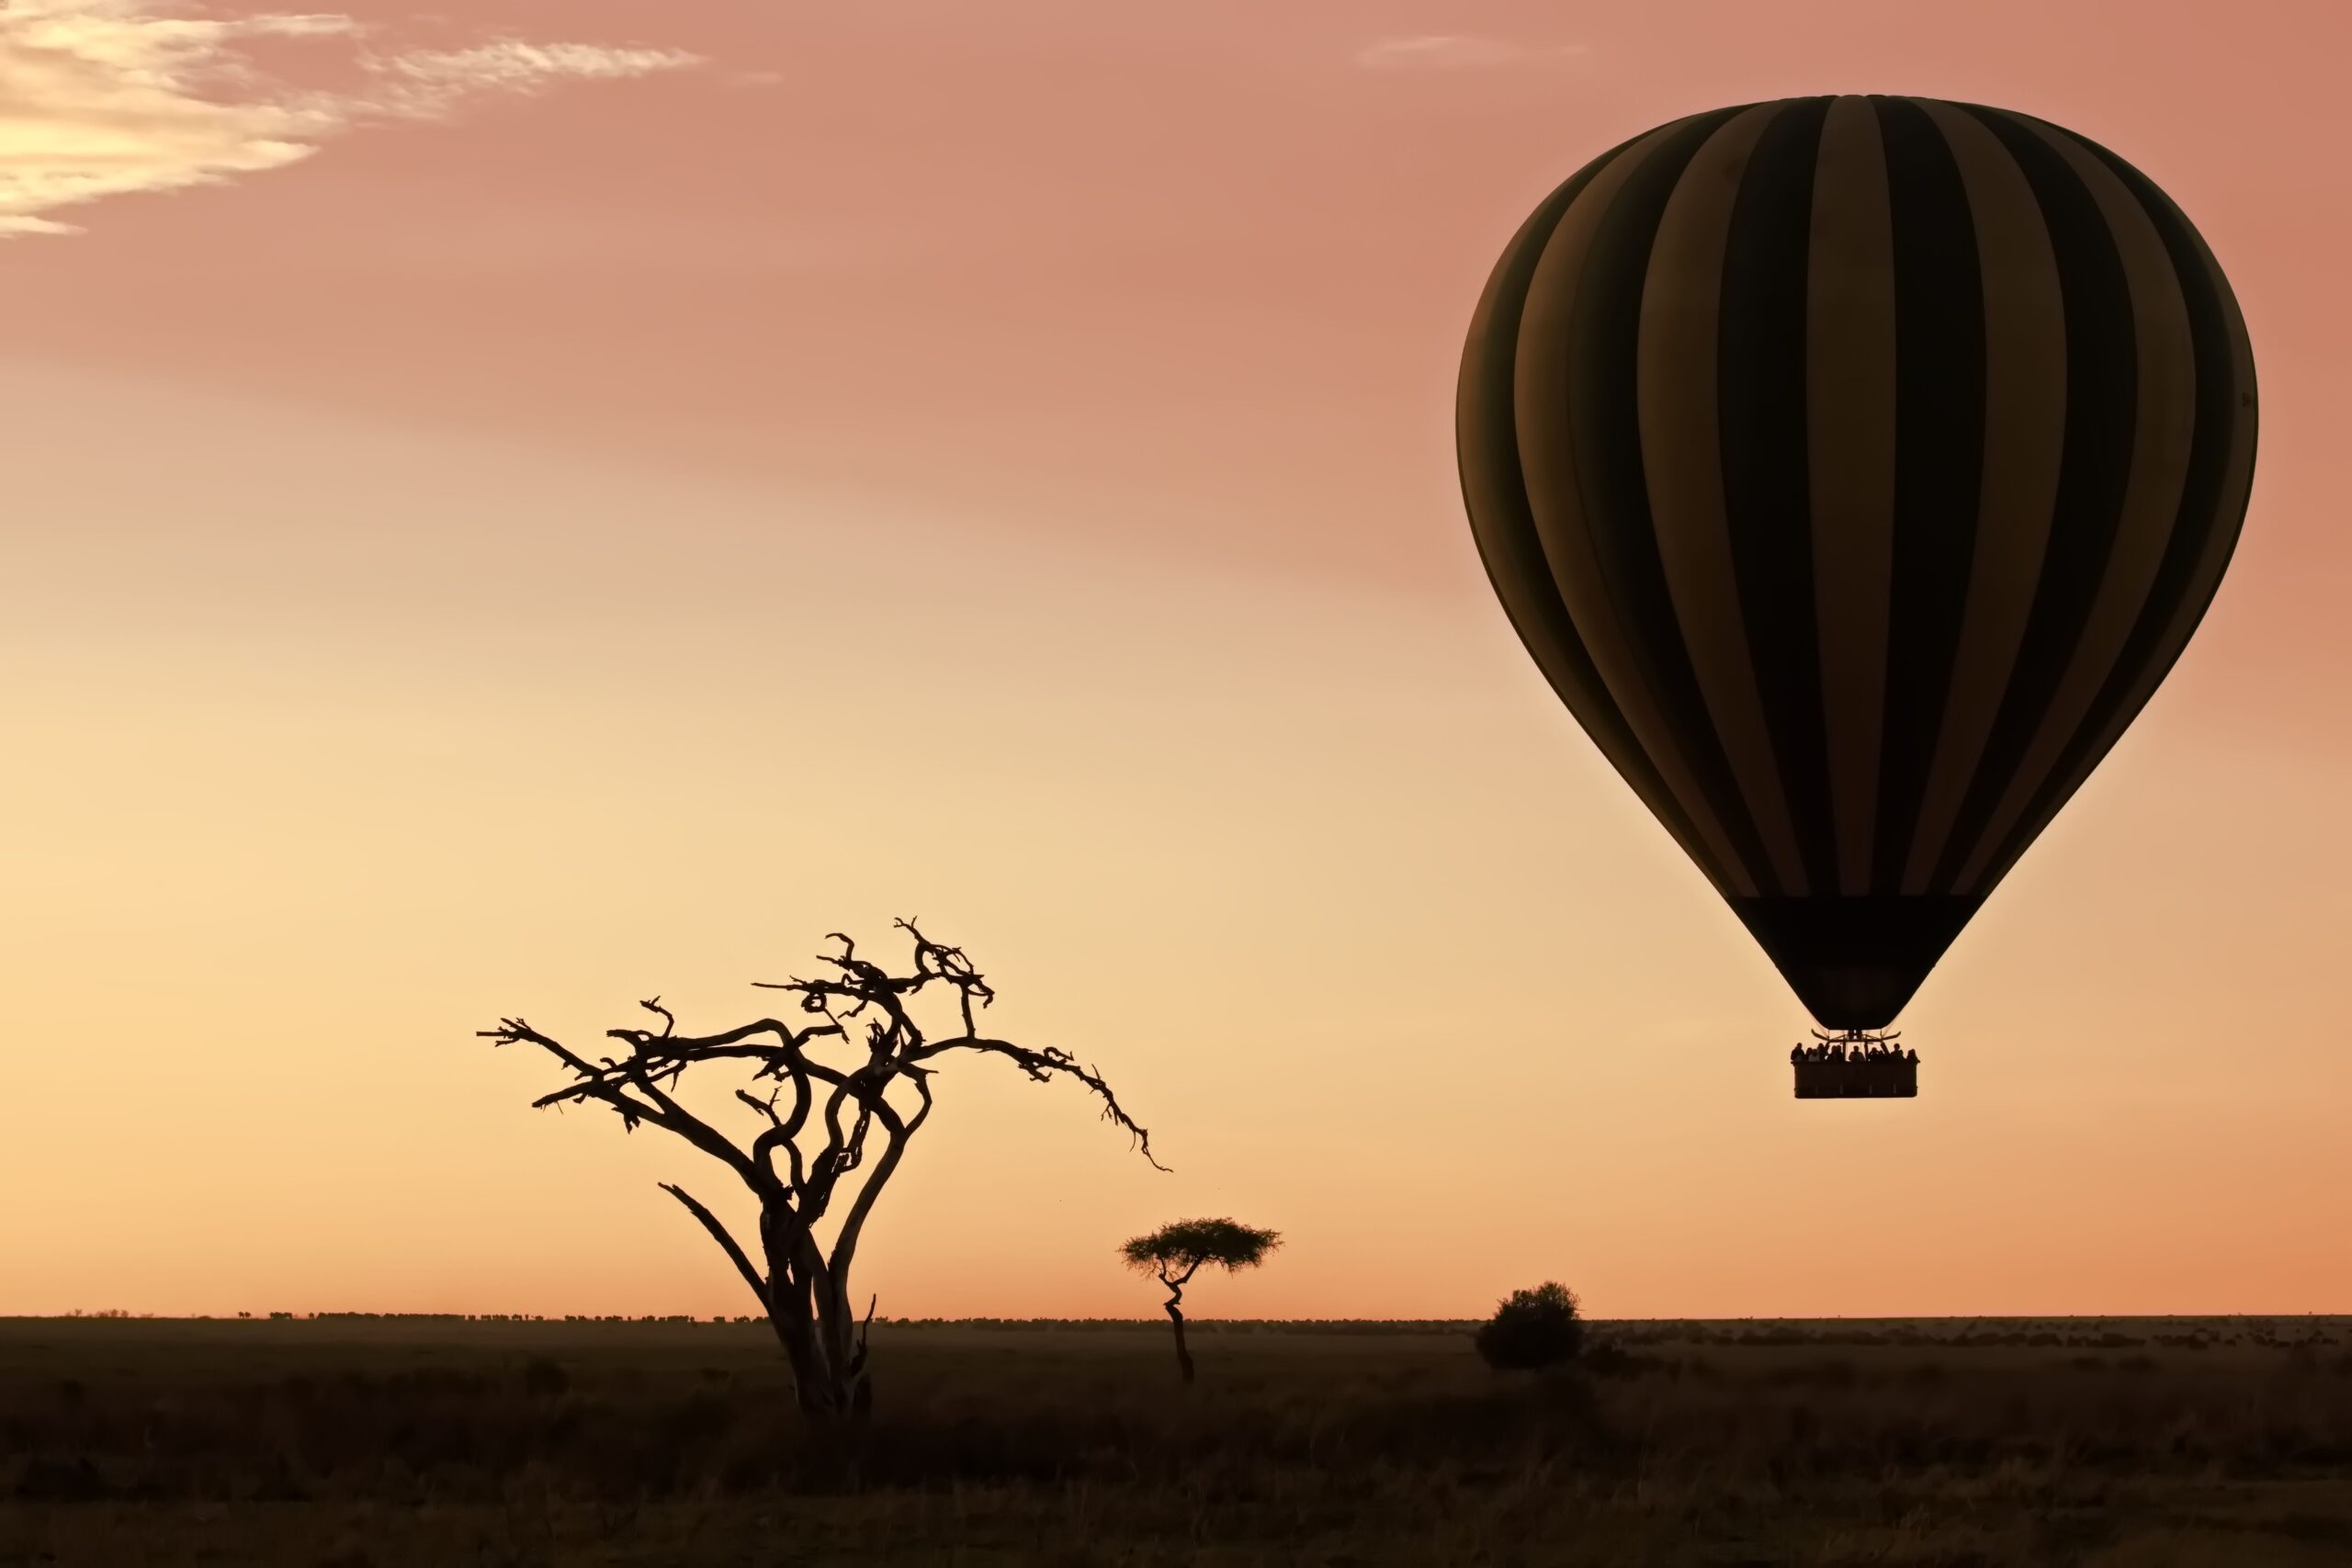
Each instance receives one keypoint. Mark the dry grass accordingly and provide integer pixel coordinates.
(389, 1443)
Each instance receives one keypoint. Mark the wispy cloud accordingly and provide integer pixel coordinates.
(1457, 52)
(101, 98)
(434, 81)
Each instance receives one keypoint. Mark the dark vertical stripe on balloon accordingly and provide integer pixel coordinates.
(1760, 411)
(1849, 424)
(2204, 509)
(1504, 529)
(2102, 371)
(1603, 418)
(1938, 462)
(2024, 437)
(1682, 467)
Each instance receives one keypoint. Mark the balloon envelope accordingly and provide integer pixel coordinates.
(1854, 468)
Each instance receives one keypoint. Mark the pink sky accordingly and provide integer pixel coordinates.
(444, 570)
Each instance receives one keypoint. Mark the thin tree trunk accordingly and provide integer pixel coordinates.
(1176, 1317)
(825, 1389)
(847, 1394)
(801, 1348)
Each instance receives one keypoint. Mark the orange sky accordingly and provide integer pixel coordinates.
(520, 529)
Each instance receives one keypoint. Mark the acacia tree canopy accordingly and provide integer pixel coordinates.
(1186, 1246)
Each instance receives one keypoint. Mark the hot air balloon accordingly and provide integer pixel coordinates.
(1854, 468)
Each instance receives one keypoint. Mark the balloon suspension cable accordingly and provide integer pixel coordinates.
(1858, 1036)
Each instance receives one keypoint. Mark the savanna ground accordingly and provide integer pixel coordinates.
(351, 1442)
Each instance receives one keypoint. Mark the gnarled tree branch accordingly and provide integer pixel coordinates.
(726, 1243)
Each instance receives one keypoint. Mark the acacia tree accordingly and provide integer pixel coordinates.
(1177, 1252)
(830, 1135)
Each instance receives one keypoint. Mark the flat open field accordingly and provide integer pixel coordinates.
(389, 1442)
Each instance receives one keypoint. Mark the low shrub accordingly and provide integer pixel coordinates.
(1532, 1329)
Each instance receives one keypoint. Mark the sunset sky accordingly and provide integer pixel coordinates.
(525, 508)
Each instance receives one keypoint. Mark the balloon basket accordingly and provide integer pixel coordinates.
(1856, 1064)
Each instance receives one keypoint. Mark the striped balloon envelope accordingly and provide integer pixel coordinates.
(1854, 468)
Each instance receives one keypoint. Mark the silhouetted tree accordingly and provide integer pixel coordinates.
(814, 1164)
(1176, 1252)
(1531, 1329)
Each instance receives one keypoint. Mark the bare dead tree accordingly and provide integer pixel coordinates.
(830, 1136)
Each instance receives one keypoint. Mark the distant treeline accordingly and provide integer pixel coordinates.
(1206, 1325)
(2080, 1333)
(1028, 1324)
(1021, 1324)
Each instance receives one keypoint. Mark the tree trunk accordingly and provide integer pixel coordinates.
(1183, 1356)
(825, 1388)
(828, 1376)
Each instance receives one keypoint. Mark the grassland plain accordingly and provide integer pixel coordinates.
(382, 1443)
